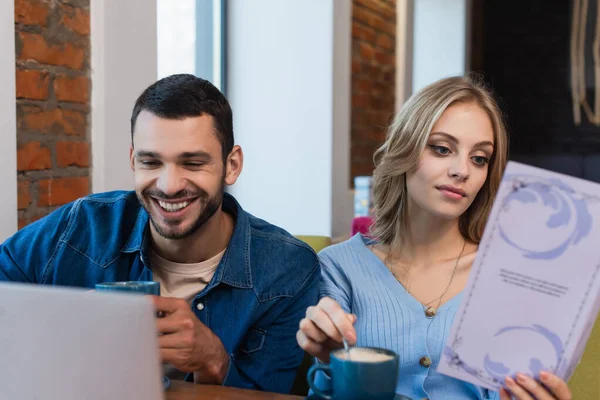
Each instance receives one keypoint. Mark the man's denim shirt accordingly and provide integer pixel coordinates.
(254, 303)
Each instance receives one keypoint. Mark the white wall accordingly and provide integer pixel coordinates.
(290, 99)
(123, 41)
(440, 40)
(176, 36)
(8, 122)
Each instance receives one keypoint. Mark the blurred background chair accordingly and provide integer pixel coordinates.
(317, 243)
(585, 382)
(361, 225)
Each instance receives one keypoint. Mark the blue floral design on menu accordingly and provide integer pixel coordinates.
(566, 209)
(498, 370)
(494, 371)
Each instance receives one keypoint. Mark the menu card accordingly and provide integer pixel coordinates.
(534, 290)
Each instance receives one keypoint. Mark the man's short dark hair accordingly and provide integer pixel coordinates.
(184, 95)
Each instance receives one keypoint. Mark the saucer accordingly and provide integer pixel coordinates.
(166, 383)
(396, 397)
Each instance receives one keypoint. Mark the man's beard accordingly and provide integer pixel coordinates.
(210, 206)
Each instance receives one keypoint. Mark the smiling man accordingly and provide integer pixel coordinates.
(233, 287)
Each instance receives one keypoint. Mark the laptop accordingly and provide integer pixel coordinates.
(69, 344)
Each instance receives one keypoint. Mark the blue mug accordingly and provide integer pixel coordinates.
(135, 287)
(369, 373)
(142, 287)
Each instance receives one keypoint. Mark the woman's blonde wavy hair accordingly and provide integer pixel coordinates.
(405, 141)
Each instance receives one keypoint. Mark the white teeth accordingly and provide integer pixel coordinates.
(173, 206)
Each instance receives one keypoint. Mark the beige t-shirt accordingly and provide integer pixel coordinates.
(183, 281)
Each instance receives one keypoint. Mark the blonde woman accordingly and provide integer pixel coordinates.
(435, 180)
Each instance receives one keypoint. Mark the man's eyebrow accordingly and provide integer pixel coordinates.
(149, 154)
(196, 154)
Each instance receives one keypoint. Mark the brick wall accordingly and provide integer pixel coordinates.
(373, 78)
(53, 94)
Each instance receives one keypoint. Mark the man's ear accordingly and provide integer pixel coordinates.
(131, 158)
(234, 165)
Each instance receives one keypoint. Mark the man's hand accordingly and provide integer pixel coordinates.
(188, 344)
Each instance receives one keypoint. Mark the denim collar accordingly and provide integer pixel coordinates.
(234, 269)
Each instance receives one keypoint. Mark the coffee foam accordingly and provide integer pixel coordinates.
(361, 354)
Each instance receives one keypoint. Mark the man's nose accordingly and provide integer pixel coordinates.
(170, 181)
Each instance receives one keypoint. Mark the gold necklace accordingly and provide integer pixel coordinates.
(431, 312)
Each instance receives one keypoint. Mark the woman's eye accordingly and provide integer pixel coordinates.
(441, 150)
(480, 160)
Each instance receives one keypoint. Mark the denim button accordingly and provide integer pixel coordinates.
(200, 306)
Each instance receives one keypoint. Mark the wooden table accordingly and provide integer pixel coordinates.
(189, 391)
